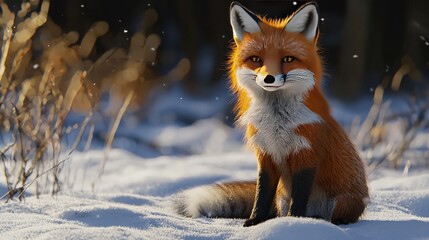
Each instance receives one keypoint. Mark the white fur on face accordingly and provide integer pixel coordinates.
(276, 114)
(299, 81)
(296, 82)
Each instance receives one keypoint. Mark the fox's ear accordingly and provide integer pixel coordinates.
(305, 21)
(243, 21)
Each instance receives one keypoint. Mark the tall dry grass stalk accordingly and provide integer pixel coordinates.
(387, 132)
(45, 74)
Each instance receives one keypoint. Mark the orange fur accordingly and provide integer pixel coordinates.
(340, 172)
(307, 166)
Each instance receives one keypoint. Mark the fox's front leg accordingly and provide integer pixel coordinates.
(302, 183)
(266, 185)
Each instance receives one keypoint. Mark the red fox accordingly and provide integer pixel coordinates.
(307, 166)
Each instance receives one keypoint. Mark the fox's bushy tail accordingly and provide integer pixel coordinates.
(223, 200)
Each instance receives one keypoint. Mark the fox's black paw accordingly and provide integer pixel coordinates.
(340, 221)
(252, 222)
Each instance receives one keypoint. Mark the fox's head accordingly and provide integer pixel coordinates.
(275, 55)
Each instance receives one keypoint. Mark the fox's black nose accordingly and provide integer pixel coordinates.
(269, 79)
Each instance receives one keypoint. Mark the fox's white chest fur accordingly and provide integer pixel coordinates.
(275, 117)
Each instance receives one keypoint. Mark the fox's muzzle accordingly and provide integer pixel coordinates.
(275, 82)
(271, 82)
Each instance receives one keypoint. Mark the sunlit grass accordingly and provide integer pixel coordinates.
(46, 74)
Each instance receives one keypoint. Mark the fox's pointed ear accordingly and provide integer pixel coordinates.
(305, 21)
(243, 21)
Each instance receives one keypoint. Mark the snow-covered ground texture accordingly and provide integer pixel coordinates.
(133, 197)
(132, 200)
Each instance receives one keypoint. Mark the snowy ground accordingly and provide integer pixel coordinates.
(132, 199)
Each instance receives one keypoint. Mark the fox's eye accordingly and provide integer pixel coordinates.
(288, 59)
(255, 59)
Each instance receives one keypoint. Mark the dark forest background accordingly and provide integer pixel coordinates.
(364, 42)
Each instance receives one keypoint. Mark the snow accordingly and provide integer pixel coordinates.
(132, 200)
(133, 197)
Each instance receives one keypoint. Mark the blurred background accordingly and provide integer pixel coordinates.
(364, 42)
(151, 77)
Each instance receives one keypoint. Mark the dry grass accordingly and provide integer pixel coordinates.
(45, 74)
(387, 133)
